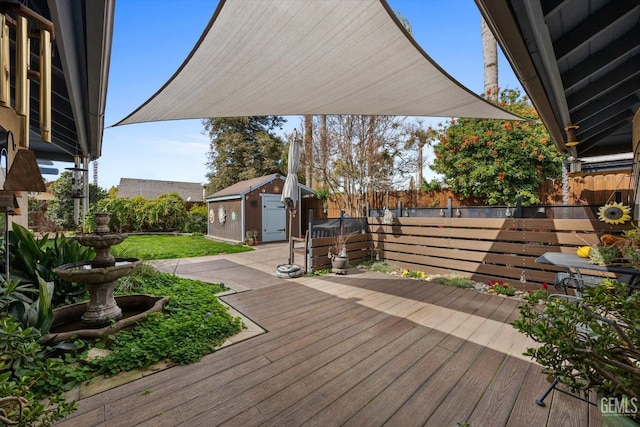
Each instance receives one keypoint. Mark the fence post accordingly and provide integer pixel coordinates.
(518, 212)
(367, 208)
(399, 209)
(308, 247)
(449, 207)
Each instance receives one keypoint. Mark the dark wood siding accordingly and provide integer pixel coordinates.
(232, 227)
(252, 200)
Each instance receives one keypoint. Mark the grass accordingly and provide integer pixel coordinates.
(150, 247)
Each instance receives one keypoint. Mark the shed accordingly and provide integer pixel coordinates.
(152, 189)
(253, 204)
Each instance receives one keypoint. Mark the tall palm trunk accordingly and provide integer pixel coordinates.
(490, 59)
(324, 150)
(308, 150)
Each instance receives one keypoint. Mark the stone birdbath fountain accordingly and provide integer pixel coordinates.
(103, 314)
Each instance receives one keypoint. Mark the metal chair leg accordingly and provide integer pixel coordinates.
(540, 401)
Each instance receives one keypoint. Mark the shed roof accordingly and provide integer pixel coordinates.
(151, 189)
(241, 188)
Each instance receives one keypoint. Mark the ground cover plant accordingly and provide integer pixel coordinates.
(34, 376)
(150, 247)
(192, 325)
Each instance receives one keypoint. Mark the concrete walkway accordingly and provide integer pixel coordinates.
(231, 269)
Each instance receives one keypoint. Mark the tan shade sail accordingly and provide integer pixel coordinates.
(294, 57)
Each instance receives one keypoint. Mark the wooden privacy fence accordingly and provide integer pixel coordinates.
(358, 249)
(483, 249)
(593, 189)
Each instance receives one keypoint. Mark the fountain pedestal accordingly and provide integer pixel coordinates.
(100, 274)
(102, 314)
(102, 308)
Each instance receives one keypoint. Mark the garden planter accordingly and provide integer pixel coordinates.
(339, 264)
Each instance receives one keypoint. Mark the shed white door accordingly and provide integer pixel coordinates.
(273, 218)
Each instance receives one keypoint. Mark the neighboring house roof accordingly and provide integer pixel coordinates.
(241, 188)
(151, 189)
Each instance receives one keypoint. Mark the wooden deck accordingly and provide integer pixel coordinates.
(364, 349)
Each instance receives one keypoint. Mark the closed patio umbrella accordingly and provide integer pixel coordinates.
(290, 189)
(290, 198)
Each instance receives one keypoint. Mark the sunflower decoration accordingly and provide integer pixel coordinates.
(614, 213)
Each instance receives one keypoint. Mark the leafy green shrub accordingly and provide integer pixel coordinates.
(497, 160)
(197, 221)
(166, 212)
(31, 385)
(32, 258)
(434, 185)
(589, 343)
(541, 294)
(15, 297)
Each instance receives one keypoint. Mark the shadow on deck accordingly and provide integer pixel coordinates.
(363, 349)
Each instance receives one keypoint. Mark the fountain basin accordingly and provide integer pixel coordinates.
(85, 272)
(102, 309)
(67, 323)
(96, 240)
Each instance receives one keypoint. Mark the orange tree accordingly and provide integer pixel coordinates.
(498, 160)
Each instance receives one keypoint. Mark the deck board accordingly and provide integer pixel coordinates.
(361, 349)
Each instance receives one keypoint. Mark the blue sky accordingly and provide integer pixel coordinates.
(153, 37)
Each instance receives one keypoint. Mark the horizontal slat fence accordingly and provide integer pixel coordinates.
(483, 249)
(358, 249)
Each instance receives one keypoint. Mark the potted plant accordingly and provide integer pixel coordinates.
(251, 237)
(338, 252)
(591, 343)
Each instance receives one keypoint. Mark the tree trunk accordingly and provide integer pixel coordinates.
(490, 58)
(308, 150)
(324, 150)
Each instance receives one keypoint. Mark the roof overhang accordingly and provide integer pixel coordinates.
(579, 62)
(283, 57)
(80, 66)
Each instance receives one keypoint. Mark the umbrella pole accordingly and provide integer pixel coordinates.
(290, 239)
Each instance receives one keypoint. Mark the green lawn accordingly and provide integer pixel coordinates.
(149, 247)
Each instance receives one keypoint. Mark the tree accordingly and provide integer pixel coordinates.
(360, 155)
(498, 160)
(243, 148)
(490, 60)
(307, 152)
(60, 209)
(420, 137)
